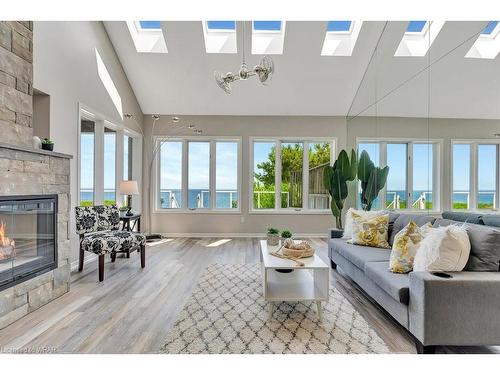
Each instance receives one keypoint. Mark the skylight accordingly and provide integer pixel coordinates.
(220, 36)
(488, 30)
(150, 25)
(416, 26)
(487, 45)
(418, 38)
(268, 37)
(340, 38)
(339, 26)
(267, 25)
(221, 25)
(147, 36)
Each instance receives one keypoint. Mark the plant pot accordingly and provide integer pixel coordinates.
(336, 233)
(48, 146)
(273, 239)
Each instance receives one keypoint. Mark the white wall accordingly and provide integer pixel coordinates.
(246, 127)
(65, 68)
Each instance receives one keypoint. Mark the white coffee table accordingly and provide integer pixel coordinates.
(307, 283)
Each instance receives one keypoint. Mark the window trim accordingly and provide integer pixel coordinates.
(437, 167)
(277, 175)
(473, 175)
(185, 173)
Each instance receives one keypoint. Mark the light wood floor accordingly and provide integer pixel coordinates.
(133, 310)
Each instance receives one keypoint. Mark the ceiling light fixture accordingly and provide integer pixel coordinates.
(191, 126)
(175, 119)
(155, 117)
(198, 131)
(496, 135)
(264, 71)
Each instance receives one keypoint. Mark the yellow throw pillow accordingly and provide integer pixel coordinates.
(370, 231)
(405, 247)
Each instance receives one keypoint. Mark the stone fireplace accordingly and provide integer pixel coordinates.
(34, 190)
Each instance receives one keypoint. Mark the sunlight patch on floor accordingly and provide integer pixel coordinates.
(219, 242)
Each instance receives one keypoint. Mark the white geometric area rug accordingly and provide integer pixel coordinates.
(227, 314)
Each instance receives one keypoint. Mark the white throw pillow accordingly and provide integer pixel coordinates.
(443, 249)
(365, 215)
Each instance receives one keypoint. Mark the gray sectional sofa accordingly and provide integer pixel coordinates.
(461, 310)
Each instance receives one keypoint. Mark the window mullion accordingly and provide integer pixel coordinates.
(185, 162)
(497, 180)
(120, 146)
(211, 175)
(305, 176)
(436, 176)
(474, 177)
(277, 175)
(382, 196)
(99, 163)
(409, 176)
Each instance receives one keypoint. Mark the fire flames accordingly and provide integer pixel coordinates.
(7, 246)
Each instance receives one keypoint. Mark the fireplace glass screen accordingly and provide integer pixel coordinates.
(27, 237)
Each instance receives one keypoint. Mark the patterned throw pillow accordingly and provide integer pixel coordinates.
(370, 231)
(405, 247)
(363, 214)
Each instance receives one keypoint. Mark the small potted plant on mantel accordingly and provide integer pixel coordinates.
(273, 236)
(47, 144)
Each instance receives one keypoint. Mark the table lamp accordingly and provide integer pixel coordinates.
(129, 188)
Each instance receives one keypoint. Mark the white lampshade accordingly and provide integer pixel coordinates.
(129, 187)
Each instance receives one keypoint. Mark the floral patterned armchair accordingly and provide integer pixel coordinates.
(98, 228)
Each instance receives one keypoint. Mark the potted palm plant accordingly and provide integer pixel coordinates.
(335, 180)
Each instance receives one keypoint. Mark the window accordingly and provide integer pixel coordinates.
(87, 140)
(197, 174)
(268, 37)
(105, 158)
(486, 176)
(418, 38)
(340, 38)
(147, 36)
(286, 177)
(488, 30)
(397, 159)
(220, 36)
(487, 45)
(339, 26)
(416, 26)
(461, 177)
(109, 166)
(150, 25)
(422, 176)
(171, 174)
(475, 175)
(373, 150)
(413, 166)
(226, 175)
(221, 25)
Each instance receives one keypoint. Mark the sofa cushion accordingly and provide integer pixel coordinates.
(484, 246)
(491, 220)
(359, 255)
(111, 241)
(397, 285)
(404, 219)
(464, 217)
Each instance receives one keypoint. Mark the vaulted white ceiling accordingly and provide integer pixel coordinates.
(306, 83)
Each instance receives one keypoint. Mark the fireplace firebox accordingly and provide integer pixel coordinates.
(28, 237)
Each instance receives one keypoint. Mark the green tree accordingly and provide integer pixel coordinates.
(291, 160)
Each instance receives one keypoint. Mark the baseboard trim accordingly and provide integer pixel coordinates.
(238, 235)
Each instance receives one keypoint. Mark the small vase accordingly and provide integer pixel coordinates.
(273, 239)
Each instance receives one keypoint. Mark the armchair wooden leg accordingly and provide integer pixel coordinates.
(113, 257)
(128, 253)
(101, 267)
(333, 264)
(143, 256)
(82, 257)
